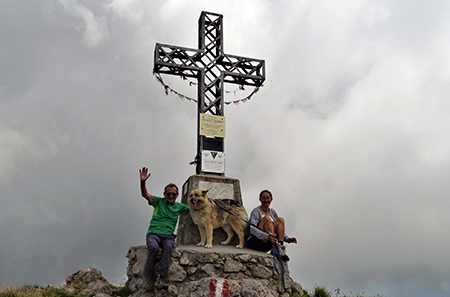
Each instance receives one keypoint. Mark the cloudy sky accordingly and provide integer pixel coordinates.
(350, 133)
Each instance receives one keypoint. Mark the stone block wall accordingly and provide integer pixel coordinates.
(249, 273)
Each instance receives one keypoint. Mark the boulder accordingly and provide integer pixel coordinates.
(89, 282)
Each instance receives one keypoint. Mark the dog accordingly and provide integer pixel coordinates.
(207, 216)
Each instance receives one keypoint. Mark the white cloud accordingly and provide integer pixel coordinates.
(94, 28)
(130, 9)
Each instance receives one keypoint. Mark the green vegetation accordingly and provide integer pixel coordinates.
(121, 291)
(124, 291)
(322, 292)
(35, 292)
(296, 293)
(54, 292)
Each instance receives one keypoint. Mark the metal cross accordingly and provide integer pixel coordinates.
(212, 68)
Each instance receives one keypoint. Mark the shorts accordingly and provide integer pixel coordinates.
(258, 244)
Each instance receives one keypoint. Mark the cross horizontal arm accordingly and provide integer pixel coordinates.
(243, 71)
(177, 60)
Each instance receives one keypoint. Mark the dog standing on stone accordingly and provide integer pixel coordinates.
(207, 216)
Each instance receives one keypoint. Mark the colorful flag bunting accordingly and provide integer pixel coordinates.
(167, 88)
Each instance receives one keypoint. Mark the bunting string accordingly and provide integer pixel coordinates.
(193, 83)
(168, 89)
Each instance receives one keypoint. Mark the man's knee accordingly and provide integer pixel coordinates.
(168, 245)
(152, 245)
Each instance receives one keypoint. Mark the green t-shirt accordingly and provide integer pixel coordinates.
(165, 215)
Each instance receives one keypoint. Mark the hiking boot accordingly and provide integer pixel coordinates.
(160, 282)
(282, 250)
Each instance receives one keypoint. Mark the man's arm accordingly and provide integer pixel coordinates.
(144, 176)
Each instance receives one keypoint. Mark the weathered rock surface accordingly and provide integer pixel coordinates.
(89, 282)
(249, 273)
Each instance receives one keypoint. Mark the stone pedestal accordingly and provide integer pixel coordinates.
(248, 272)
(219, 187)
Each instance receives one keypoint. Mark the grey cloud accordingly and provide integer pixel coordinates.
(349, 133)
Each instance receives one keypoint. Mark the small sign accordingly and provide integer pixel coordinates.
(212, 125)
(213, 161)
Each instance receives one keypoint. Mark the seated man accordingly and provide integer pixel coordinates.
(160, 233)
(271, 227)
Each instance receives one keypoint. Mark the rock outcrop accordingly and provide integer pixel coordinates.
(249, 273)
(89, 282)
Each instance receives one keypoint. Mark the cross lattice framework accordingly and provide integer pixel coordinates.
(212, 68)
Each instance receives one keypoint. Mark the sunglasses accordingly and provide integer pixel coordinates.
(171, 194)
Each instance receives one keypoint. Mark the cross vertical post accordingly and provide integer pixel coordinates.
(212, 68)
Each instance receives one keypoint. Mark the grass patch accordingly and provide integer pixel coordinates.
(35, 292)
(321, 292)
(55, 292)
(124, 291)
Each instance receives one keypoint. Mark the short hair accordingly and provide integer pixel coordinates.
(265, 191)
(170, 186)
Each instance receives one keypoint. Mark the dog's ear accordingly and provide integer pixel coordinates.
(204, 192)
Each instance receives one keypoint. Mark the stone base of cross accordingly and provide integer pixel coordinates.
(219, 187)
(212, 68)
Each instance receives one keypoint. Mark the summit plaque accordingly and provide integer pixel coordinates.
(212, 125)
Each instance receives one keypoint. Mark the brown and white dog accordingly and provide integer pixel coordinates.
(207, 216)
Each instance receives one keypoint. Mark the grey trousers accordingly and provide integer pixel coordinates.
(154, 242)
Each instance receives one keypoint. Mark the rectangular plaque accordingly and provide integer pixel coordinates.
(213, 161)
(217, 190)
(212, 125)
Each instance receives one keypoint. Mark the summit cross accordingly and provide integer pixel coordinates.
(212, 68)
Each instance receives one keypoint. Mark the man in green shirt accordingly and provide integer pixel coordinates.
(160, 233)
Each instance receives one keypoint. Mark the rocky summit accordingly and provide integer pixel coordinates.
(194, 270)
